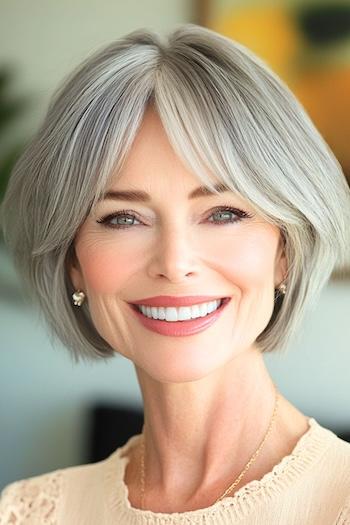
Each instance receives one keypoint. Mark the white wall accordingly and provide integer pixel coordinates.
(44, 40)
(43, 397)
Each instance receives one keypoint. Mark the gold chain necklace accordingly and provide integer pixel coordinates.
(233, 485)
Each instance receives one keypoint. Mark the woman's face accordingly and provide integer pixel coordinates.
(176, 246)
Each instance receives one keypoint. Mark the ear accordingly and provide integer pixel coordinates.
(281, 263)
(74, 270)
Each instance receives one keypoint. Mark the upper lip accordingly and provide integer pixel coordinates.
(169, 300)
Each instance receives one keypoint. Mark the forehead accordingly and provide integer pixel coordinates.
(152, 163)
(151, 152)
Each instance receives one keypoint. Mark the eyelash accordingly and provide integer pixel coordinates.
(240, 215)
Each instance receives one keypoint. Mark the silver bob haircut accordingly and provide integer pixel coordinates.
(225, 112)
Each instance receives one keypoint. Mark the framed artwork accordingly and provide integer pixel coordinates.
(307, 43)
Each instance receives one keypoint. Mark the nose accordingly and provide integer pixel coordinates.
(173, 256)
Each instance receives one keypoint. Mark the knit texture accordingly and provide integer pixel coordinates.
(310, 486)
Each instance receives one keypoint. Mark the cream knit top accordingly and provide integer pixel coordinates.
(310, 486)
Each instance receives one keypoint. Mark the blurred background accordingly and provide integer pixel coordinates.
(55, 414)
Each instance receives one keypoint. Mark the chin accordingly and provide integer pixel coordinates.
(180, 369)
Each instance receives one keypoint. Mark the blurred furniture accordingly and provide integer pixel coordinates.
(110, 427)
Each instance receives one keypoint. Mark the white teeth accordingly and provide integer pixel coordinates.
(183, 313)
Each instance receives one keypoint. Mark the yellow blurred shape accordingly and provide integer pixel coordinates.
(324, 92)
(269, 31)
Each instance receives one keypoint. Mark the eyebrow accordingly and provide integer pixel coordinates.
(142, 196)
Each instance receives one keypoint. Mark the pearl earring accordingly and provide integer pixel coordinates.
(282, 288)
(78, 297)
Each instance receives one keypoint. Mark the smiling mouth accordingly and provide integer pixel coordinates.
(145, 308)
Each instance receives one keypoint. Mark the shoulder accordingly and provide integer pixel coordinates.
(341, 446)
(335, 466)
(42, 499)
(344, 514)
(336, 471)
(339, 455)
(32, 498)
(335, 450)
(344, 454)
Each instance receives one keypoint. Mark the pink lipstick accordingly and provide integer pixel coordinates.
(179, 328)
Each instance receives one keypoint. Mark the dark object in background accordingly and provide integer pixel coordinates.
(110, 426)
(341, 433)
(325, 24)
(344, 435)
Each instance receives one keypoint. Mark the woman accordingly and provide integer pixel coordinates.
(179, 208)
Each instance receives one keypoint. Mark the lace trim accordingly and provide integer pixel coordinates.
(35, 497)
(308, 449)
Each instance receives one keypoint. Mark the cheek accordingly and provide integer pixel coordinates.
(248, 258)
(105, 267)
(249, 266)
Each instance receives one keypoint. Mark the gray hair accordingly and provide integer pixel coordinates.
(224, 111)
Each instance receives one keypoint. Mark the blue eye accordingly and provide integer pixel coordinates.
(223, 211)
(125, 218)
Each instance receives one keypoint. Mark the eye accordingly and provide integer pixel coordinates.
(228, 211)
(125, 219)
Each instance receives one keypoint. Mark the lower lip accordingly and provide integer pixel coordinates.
(180, 328)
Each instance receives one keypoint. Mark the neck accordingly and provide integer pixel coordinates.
(199, 435)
